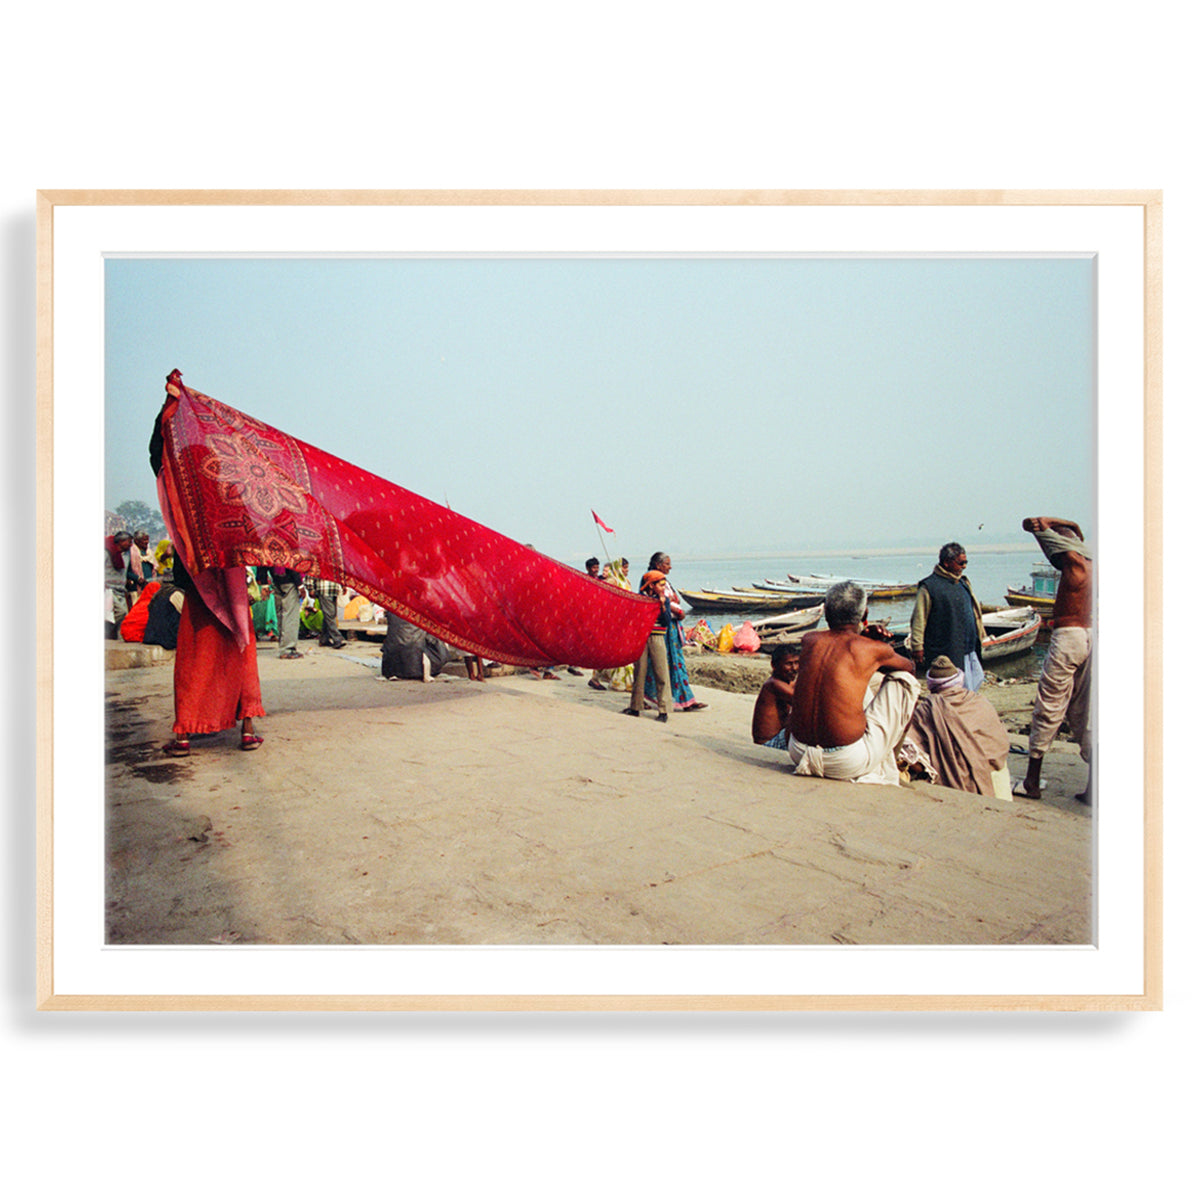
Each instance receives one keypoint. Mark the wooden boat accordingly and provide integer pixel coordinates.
(819, 581)
(775, 585)
(876, 590)
(757, 589)
(1019, 596)
(1040, 594)
(798, 618)
(783, 629)
(752, 601)
(1008, 631)
(901, 591)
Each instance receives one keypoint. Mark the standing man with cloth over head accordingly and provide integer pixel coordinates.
(947, 619)
(1065, 687)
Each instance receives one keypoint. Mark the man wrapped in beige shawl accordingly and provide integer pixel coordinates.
(960, 735)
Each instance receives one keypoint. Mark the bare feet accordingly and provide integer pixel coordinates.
(1031, 786)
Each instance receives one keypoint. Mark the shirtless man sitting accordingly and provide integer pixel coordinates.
(768, 726)
(832, 732)
(1065, 687)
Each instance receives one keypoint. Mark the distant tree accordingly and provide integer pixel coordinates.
(137, 515)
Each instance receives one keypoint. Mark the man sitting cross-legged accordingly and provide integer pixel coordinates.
(834, 729)
(768, 726)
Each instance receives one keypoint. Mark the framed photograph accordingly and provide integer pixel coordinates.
(771, 388)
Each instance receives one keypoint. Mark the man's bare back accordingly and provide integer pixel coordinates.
(774, 701)
(1073, 602)
(835, 667)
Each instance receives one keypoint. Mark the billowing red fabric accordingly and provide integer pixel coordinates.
(241, 492)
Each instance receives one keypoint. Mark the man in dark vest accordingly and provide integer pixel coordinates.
(947, 619)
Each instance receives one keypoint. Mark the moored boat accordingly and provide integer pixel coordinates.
(709, 600)
(820, 581)
(1007, 632)
(783, 635)
(806, 585)
(785, 628)
(900, 592)
(1010, 631)
(1040, 594)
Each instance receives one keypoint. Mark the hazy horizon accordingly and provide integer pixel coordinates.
(708, 406)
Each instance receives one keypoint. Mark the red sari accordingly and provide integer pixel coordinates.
(236, 492)
(216, 679)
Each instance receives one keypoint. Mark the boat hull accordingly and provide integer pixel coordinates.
(1005, 638)
(786, 628)
(709, 601)
(1005, 642)
(1041, 604)
(875, 591)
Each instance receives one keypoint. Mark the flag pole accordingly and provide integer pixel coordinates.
(608, 558)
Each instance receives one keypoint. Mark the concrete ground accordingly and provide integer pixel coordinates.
(525, 811)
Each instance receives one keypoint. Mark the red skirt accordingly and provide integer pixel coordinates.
(216, 684)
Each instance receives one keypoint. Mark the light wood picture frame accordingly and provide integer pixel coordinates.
(1123, 971)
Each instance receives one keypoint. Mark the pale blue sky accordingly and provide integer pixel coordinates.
(707, 406)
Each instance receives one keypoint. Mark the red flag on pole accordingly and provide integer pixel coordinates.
(600, 522)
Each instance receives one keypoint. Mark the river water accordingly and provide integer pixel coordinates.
(991, 573)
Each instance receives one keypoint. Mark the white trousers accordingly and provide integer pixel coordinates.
(1064, 692)
(872, 758)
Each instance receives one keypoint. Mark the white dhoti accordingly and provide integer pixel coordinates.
(888, 708)
(1064, 692)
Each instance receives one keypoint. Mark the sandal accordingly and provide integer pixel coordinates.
(251, 741)
(179, 748)
(595, 683)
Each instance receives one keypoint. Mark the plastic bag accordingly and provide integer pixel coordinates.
(725, 639)
(746, 641)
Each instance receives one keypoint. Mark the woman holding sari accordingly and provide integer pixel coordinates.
(216, 654)
(681, 691)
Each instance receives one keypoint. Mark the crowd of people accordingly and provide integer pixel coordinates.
(843, 703)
